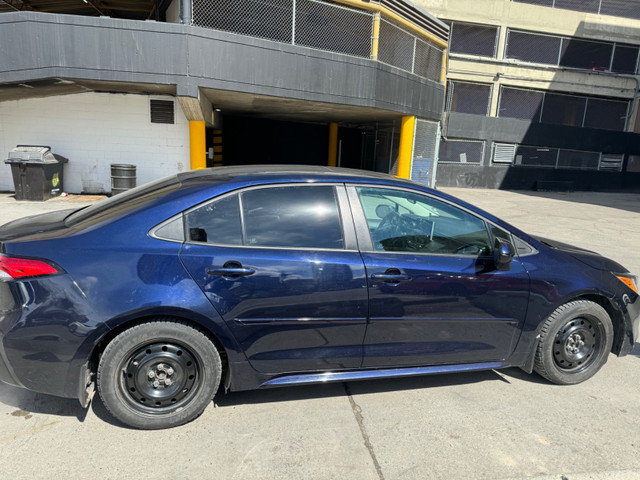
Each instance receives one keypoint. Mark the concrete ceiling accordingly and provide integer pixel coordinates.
(277, 108)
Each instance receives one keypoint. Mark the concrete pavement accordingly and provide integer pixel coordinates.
(487, 425)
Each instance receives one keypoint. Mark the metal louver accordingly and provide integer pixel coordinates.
(503, 152)
(162, 111)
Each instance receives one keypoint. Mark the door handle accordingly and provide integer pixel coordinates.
(391, 275)
(230, 269)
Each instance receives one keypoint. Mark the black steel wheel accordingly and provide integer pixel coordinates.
(575, 342)
(158, 374)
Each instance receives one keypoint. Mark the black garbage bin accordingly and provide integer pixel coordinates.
(37, 173)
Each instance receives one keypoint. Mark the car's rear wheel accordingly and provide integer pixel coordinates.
(158, 374)
(575, 341)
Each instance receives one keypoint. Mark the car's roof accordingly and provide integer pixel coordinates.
(311, 171)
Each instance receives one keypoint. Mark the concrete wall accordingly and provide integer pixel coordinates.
(106, 49)
(94, 130)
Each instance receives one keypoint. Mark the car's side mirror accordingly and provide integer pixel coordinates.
(503, 253)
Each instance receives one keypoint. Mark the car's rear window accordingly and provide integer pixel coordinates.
(124, 202)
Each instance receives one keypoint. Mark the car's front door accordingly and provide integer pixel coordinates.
(280, 265)
(435, 295)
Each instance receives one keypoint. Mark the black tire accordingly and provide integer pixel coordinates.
(158, 374)
(575, 341)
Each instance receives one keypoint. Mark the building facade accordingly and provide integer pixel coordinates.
(179, 84)
(541, 94)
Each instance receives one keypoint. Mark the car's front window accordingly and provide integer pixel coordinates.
(401, 221)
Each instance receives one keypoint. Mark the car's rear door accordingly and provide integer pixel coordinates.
(435, 296)
(280, 264)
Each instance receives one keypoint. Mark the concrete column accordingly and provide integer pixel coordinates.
(407, 130)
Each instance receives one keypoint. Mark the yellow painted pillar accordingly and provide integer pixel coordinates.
(375, 36)
(443, 75)
(406, 147)
(197, 145)
(333, 145)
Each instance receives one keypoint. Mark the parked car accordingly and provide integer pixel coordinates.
(257, 277)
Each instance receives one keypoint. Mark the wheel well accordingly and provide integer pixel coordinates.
(94, 359)
(616, 319)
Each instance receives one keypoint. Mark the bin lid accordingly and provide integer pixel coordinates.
(33, 154)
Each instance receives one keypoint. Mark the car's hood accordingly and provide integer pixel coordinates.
(34, 224)
(593, 259)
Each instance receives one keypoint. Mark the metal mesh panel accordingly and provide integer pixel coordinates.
(428, 61)
(563, 109)
(517, 103)
(536, 156)
(625, 59)
(590, 6)
(544, 3)
(530, 47)
(469, 98)
(270, 19)
(424, 152)
(621, 8)
(329, 27)
(578, 159)
(460, 151)
(606, 114)
(395, 46)
(584, 54)
(473, 39)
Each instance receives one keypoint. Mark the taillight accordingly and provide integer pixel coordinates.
(16, 268)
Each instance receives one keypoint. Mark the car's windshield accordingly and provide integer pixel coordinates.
(125, 201)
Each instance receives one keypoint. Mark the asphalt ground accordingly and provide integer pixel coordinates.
(488, 425)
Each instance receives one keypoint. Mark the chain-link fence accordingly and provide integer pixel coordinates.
(425, 152)
(401, 49)
(324, 26)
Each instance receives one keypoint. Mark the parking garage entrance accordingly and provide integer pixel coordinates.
(245, 140)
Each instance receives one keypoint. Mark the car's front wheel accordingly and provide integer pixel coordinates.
(575, 341)
(158, 374)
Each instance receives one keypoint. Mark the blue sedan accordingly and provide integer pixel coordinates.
(257, 277)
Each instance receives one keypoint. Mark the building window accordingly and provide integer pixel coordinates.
(585, 54)
(472, 39)
(460, 151)
(625, 59)
(463, 97)
(562, 109)
(531, 47)
(520, 103)
(606, 114)
(578, 159)
(571, 52)
(162, 111)
(558, 158)
(616, 8)
(588, 6)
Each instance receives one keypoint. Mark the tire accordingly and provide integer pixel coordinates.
(575, 341)
(158, 374)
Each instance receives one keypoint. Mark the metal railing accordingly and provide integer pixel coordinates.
(324, 26)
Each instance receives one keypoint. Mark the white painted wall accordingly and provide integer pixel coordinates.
(94, 130)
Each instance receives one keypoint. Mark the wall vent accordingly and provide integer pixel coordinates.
(162, 111)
